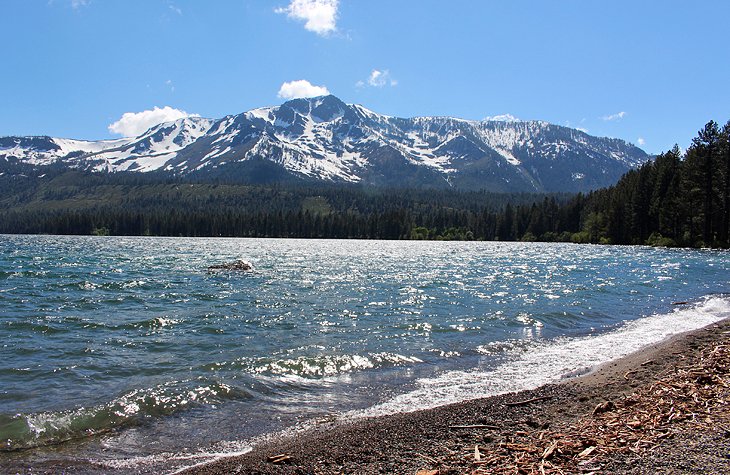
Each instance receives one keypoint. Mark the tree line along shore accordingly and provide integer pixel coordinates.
(676, 199)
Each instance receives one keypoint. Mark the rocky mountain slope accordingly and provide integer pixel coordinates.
(323, 138)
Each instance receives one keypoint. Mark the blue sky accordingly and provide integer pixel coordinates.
(650, 72)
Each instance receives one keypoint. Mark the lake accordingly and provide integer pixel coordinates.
(126, 355)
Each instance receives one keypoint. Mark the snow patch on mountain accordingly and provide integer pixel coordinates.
(324, 138)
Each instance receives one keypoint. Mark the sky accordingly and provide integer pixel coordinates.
(649, 72)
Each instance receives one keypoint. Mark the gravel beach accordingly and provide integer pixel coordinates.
(664, 409)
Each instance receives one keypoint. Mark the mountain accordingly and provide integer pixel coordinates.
(323, 138)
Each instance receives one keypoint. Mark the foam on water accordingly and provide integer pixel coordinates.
(551, 361)
(529, 366)
(99, 334)
(178, 462)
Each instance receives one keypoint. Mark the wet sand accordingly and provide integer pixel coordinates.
(664, 409)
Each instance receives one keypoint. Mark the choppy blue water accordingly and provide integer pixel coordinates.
(127, 352)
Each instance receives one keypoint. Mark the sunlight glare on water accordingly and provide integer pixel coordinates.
(133, 339)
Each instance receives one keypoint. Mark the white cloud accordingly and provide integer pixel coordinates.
(169, 84)
(76, 4)
(174, 8)
(301, 88)
(132, 124)
(502, 118)
(641, 141)
(320, 16)
(379, 78)
(617, 116)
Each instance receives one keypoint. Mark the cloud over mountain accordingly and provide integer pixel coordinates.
(301, 88)
(132, 124)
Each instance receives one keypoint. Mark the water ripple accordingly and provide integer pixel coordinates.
(86, 319)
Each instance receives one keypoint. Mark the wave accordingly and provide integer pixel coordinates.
(313, 367)
(62, 326)
(330, 365)
(542, 363)
(23, 431)
(176, 462)
(529, 365)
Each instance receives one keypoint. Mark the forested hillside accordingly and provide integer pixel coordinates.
(675, 200)
(672, 200)
(82, 203)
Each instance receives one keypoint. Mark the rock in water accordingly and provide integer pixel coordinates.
(239, 265)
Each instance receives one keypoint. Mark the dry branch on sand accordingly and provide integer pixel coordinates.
(698, 395)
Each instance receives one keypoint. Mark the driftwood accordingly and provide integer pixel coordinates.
(426, 457)
(603, 407)
(527, 401)
(476, 426)
(550, 450)
(281, 458)
(696, 394)
(629, 373)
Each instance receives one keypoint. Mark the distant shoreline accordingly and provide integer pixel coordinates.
(443, 440)
(305, 238)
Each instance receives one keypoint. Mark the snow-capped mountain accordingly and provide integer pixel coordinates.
(325, 139)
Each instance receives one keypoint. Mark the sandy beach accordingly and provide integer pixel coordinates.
(664, 409)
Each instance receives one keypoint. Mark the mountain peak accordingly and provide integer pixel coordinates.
(320, 108)
(323, 138)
